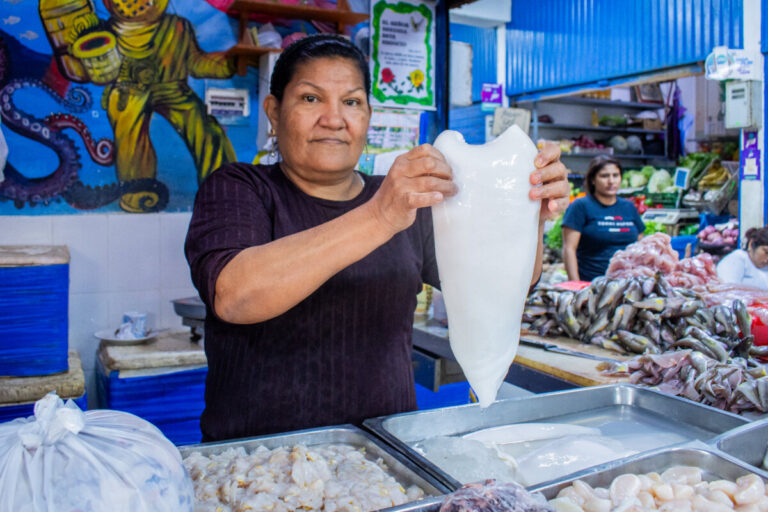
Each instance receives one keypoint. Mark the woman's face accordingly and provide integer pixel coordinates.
(758, 255)
(322, 122)
(607, 180)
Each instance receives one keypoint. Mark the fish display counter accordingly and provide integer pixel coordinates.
(539, 438)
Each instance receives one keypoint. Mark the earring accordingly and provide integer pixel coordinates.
(367, 152)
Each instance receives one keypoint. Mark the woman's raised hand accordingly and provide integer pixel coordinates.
(417, 179)
(550, 172)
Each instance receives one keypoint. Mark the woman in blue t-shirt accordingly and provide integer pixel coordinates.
(598, 225)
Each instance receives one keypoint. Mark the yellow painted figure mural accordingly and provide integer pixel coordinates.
(144, 56)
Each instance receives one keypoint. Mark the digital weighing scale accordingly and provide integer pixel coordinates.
(670, 216)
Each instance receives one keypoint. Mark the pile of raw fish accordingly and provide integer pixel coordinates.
(737, 386)
(679, 489)
(654, 254)
(641, 315)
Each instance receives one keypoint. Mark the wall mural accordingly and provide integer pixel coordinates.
(101, 104)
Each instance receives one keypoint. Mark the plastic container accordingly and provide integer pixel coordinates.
(448, 395)
(680, 242)
(34, 300)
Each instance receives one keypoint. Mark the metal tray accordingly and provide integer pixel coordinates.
(593, 407)
(404, 471)
(747, 443)
(189, 307)
(715, 465)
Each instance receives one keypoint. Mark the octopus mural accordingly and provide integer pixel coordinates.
(143, 57)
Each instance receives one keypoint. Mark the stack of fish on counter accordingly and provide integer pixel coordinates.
(694, 333)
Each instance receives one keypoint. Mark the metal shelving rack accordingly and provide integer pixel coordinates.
(596, 103)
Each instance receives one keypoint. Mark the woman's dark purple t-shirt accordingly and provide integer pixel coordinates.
(341, 355)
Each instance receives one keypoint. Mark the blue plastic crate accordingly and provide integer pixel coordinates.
(679, 242)
(172, 401)
(11, 412)
(447, 396)
(34, 302)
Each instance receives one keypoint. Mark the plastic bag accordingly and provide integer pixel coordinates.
(65, 460)
(493, 496)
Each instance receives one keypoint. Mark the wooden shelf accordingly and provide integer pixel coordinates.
(247, 54)
(299, 12)
(249, 50)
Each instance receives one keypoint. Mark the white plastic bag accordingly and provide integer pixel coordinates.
(65, 460)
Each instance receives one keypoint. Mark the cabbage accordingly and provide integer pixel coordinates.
(660, 181)
(637, 179)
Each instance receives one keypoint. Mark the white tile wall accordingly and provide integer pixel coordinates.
(86, 237)
(134, 252)
(26, 230)
(118, 262)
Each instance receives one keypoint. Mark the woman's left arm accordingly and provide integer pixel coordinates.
(554, 192)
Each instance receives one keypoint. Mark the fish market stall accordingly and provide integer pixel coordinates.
(693, 333)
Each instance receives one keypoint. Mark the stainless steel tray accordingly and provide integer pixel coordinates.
(747, 443)
(404, 471)
(593, 407)
(715, 465)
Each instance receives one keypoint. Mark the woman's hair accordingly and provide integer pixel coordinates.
(595, 166)
(756, 237)
(312, 47)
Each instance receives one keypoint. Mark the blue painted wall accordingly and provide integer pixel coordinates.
(554, 44)
(483, 42)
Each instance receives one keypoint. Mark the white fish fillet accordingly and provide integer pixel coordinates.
(485, 238)
(526, 432)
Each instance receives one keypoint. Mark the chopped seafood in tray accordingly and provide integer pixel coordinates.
(330, 477)
(687, 478)
(328, 468)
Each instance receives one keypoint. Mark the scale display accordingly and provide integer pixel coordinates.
(669, 215)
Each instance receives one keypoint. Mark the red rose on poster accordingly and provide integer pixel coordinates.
(387, 76)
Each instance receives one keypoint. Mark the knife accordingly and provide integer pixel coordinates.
(551, 347)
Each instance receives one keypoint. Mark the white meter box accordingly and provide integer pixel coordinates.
(743, 105)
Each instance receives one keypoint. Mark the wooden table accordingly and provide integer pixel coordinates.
(577, 370)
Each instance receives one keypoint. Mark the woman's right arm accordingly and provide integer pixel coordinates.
(571, 239)
(264, 281)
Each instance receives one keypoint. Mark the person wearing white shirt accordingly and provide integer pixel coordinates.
(750, 266)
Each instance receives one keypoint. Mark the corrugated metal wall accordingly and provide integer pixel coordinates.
(553, 44)
(483, 42)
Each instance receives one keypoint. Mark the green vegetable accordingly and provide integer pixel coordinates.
(690, 230)
(637, 179)
(648, 171)
(555, 235)
(652, 227)
(660, 181)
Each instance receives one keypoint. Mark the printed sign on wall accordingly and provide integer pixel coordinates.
(402, 43)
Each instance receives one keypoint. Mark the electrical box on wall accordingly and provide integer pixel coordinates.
(743, 105)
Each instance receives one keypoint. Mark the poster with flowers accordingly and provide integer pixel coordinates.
(402, 55)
